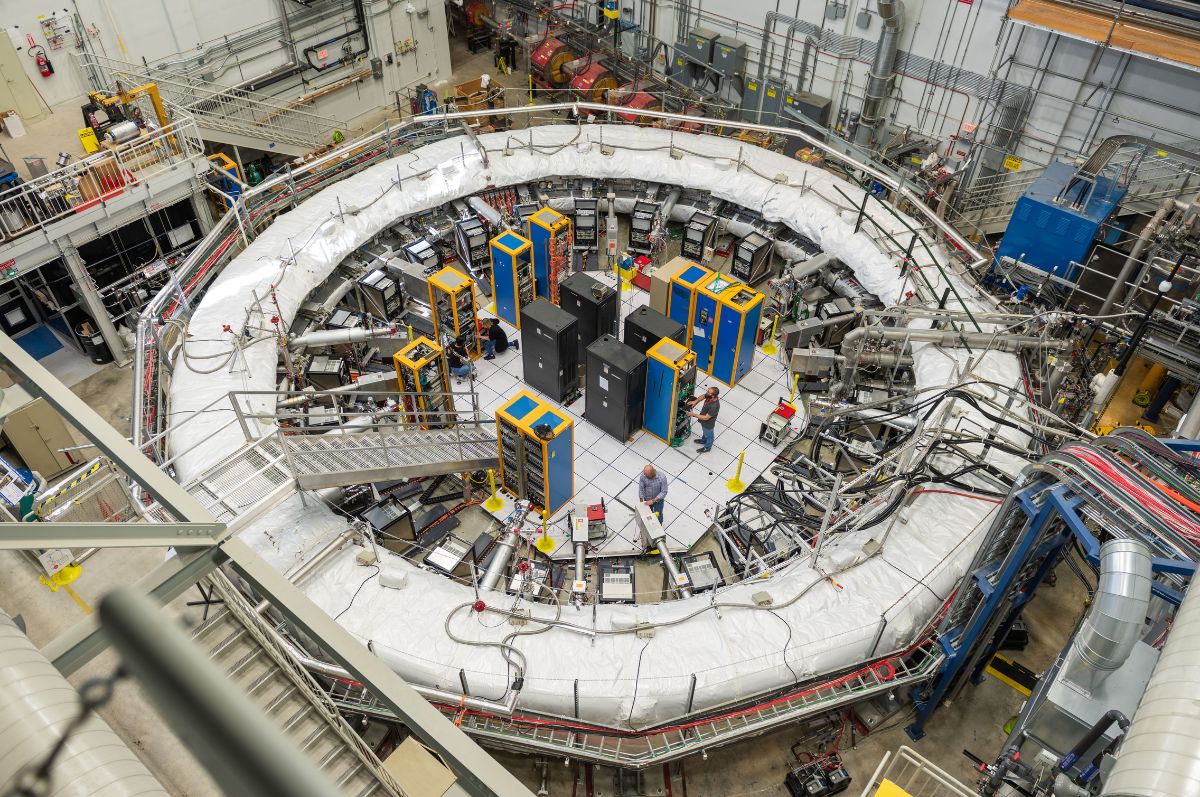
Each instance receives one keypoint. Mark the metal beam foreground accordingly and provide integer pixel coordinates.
(202, 544)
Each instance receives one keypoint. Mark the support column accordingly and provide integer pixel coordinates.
(1190, 428)
(202, 210)
(93, 302)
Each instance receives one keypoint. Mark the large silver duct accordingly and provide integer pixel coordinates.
(949, 338)
(882, 71)
(36, 705)
(1118, 613)
(1135, 256)
(1158, 757)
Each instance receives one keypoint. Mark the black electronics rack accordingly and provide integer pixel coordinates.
(512, 457)
(699, 234)
(586, 224)
(471, 239)
(641, 224)
(592, 302)
(616, 387)
(550, 349)
(381, 295)
(644, 327)
(425, 254)
(752, 258)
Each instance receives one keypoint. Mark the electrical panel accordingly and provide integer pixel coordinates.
(645, 327)
(587, 226)
(762, 100)
(729, 55)
(616, 387)
(699, 235)
(752, 258)
(536, 451)
(641, 225)
(391, 519)
(424, 383)
(452, 297)
(549, 233)
(698, 51)
(424, 254)
(591, 301)
(736, 334)
(814, 108)
(470, 238)
(704, 316)
(326, 373)
(681, 298)
(702, 571)
(616, 581)
(550, 349)
(512, 276)
(670, 382)
(381, 295)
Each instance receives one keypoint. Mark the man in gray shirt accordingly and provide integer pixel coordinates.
(652, 490)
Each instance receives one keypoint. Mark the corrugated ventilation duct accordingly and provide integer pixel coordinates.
(1118, 612)
(36, 704)
(1159, 756)
(883, 69)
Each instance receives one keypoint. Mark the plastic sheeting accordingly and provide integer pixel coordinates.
(878, 603)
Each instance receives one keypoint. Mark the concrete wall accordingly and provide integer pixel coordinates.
(192, 34)
(971, 35)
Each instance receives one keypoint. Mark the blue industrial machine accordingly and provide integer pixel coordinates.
(1058, 219)
(536, 451)
(550, 234)
(681, 298)
(736, 334)
(512, 276)
(670, 381)
(704, 316)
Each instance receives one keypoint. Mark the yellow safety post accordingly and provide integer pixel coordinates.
(769, 347)
(544, 543)
(736, 485)
(795, 387)
(410, 334)
(493, 504)
(531, 88)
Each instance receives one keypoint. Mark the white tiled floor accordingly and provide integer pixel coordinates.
(606, 468)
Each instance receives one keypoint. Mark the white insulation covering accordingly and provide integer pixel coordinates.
(813, 626)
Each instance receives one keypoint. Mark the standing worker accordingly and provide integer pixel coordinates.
(495, 339)
(652, 490)
(710, 406)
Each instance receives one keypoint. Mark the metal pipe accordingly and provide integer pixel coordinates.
(505, 546)
(1158, 757)
(678, 579)
(1135, 256)
(950, 338)
(1118, 612)
(581, 562)
(331, 337)
(38, 705)
(1189, 429)
(882, 71)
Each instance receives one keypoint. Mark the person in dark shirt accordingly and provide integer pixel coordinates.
(495, 339)
(459, 360)
(705, 410)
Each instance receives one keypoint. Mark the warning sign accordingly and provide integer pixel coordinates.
(1012, 163)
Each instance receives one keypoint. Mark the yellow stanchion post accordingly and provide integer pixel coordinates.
(544, 543)
(531, 88)
(494, 503)
(770, 347)
(736, 485)
(795, 387)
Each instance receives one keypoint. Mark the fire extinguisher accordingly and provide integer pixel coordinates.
(43, 63)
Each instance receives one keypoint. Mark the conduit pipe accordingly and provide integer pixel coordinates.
(950, 338)
(1158, 757)
(1118, 612)
(36, 706)
(332, 337)
(1135, 256)
(882, 71)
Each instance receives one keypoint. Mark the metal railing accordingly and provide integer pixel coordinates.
(237, 605)
(916, 775)
(224, 108)
(97, 178)
(97, 492)
(254, 210)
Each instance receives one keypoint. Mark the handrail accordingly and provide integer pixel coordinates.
(257, 206)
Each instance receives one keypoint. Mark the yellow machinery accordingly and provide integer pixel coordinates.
(537, 451)
(670, 382)
(425, 383)
(452, 297)
(736, 333)
(550, 234)
(512, 276)
(681, 299)
(125, 97)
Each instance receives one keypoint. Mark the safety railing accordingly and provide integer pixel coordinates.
(237, 605)
(683, 736)
(97, 178)
(915, 776)
(225, 108)
(97, 492)
(258, 206)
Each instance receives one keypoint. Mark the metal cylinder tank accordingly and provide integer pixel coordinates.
(36, 706)
(548, 60)
(593, 84)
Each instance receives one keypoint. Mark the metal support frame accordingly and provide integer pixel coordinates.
(966, 647)
(29, 536)
(91, 299)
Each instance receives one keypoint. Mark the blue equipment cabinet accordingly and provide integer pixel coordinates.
(512, 276)
(737, 331)
(536, 451)
(550, 234)
(670, 380)
(704, 316)
(1052, 233)
(681, 298)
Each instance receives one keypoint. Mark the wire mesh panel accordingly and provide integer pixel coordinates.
(906, 772)
(95, 493)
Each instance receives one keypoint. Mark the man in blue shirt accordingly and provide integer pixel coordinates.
(652, 490)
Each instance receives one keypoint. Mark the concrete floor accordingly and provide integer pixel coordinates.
(755, 767)
(55, 132)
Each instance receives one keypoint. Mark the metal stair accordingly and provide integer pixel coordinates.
(240, 642)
